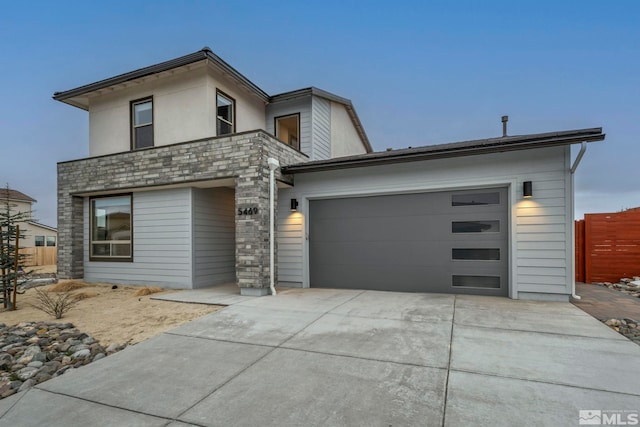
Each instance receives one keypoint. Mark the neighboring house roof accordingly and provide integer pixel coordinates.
(73, 96)
(37, 224)
(8, 193)
(286, 96)
(456, 149)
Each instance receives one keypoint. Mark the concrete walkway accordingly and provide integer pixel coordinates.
(353, 358)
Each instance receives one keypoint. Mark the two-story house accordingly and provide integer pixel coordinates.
(35, 234)
(186, 155)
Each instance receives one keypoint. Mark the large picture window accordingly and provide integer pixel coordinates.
(142, 123)
(111, 222)
(226, 112)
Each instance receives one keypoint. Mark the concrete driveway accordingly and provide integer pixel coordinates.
(354, 358)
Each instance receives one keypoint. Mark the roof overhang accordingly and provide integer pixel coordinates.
(79, 96)
(456, 149)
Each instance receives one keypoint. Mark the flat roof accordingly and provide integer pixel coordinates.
(455, 149)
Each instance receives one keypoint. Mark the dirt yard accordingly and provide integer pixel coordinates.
(111, 315)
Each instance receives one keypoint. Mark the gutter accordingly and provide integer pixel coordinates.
(448, 151)
(574, 167)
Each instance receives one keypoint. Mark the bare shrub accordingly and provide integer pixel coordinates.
(69, 286)
(147, 290)
(56, 305)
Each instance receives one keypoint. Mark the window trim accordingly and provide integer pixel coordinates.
(233, 113)
(132, 126)
(275, 129)
(91, 219)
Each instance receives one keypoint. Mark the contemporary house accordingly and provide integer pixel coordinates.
(35, 234)
(186, 155)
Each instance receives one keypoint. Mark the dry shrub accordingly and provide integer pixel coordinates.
(69, 286)
(84, 295)
(147, 290)
(55, 306)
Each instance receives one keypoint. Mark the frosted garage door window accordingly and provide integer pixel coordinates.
(484, 282)
(475, 199)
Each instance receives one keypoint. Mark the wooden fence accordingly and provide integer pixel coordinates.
(40, 255)
(608, 246)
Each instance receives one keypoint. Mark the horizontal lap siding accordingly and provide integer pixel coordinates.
(290, 240)
(213, 236)
(541, 230)
(161, 243)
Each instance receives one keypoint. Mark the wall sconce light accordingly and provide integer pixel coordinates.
(527, 189)
(294, 205)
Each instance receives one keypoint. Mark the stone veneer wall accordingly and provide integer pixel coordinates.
(240, 156)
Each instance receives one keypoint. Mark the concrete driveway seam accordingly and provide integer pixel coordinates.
(273, 348)
(135, 411)
(616, 337)
(533, 380)
(446, 384)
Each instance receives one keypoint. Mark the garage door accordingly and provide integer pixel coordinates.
(449, 242)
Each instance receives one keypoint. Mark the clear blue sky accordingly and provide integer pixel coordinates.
(419, 73)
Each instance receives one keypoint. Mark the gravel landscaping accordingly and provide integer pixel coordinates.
(33, 352)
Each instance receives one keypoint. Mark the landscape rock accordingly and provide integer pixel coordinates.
(33, 352)
(627, 327)
(27, 384)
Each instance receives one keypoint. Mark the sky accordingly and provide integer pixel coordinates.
(418, 72)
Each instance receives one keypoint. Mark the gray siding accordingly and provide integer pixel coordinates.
(213, 237)
(289, 235)
(321, 129)
(540, 228)
(284, 108)
(161, 243)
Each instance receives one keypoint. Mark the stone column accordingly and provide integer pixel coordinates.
(70, 236)
(252, 228)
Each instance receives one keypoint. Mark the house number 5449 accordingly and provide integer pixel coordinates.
(247, 211)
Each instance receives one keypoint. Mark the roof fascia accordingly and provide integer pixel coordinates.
(525, 142)
(200, 55)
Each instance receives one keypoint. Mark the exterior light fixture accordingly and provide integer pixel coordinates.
(527, 189)
(294, 205)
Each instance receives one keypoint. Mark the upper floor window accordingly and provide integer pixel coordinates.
(288, 129)
(39, 240)
(142, 123)
(225, 111)
(51, 240)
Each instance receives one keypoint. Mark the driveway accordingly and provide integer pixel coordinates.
(356, 358)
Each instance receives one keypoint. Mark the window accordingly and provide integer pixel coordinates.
(288, 130)
(111, 228)
(491, 282)
(51, 240)
(488, 226)
(476, 254)
(142, 123)
(225, 111)
(475, 199)
(39, 240)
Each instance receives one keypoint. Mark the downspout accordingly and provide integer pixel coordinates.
(576, 162)
(273, 165)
